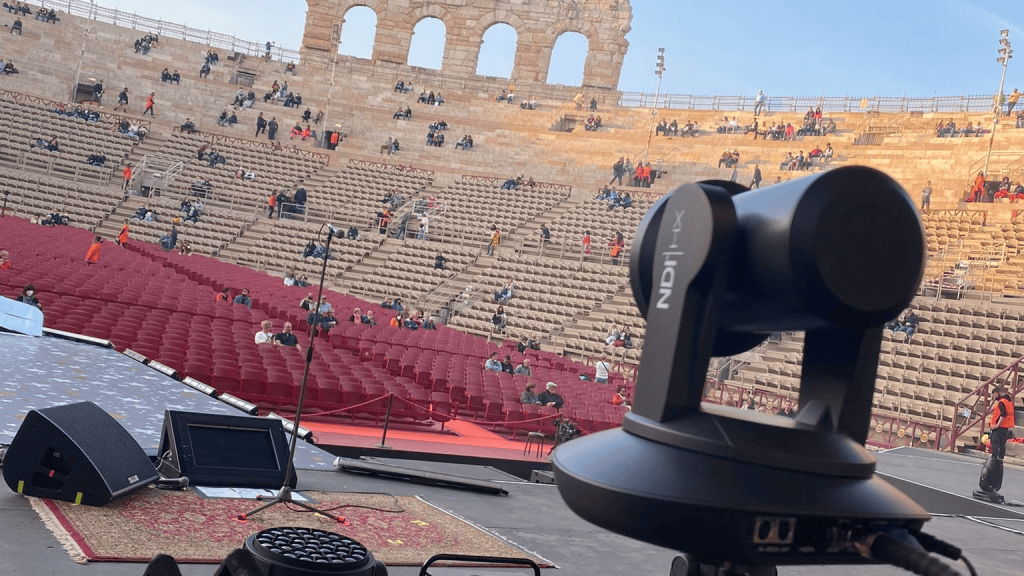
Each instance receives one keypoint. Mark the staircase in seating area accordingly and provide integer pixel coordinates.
(247, 239)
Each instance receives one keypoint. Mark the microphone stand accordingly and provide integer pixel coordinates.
(284, 495)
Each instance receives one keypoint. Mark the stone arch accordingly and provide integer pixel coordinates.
(473, 38)
(604, 23)
(494, 52)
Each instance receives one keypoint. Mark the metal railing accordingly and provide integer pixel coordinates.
(973, 408)
(164, 28)
(874, 103)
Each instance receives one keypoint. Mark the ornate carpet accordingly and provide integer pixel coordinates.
(401, 530)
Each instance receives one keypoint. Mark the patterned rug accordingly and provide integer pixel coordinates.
(399, 531)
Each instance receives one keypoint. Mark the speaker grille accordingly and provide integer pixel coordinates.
(110, 447)
(308, 547)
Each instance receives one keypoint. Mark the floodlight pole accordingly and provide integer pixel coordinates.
(284, 495)
(654, 109)
(1004, 58)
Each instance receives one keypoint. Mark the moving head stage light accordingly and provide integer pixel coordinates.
(715, 269)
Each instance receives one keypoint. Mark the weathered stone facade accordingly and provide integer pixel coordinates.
(538, 24)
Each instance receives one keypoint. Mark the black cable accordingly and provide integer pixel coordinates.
(887, 549)
(936, 546)
(340, 506)
(969, 565)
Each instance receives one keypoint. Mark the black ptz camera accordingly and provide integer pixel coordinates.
(715, 269)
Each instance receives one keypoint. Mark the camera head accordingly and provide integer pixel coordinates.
(715, 269)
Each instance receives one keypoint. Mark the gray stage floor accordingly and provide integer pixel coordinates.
(532, 516)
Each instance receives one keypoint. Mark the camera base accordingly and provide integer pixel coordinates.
(688, 565)
(993, 497)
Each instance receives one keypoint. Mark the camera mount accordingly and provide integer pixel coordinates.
(715, 269)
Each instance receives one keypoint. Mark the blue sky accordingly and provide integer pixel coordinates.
(912, 47)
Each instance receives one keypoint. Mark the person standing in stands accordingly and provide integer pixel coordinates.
(149, 104)
(122, 99)
(122, 236)
(494, 242)
(261, 124)
(272, 128)
(127, 177)
(92, 256)
(926, 196)
(756, 182)
(1001, 422)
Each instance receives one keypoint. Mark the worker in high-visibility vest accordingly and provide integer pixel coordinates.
(1001, 423)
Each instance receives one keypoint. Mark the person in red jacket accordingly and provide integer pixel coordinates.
(93, 254)
(149, 104)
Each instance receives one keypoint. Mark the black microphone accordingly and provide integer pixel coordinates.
(172, 483)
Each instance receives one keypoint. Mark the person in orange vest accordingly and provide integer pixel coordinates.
(638, 175)
(127, 177)
(646, 179)
(149, 104)
(93, 255)
(272, 201)
(1001, 423)
(122, 236)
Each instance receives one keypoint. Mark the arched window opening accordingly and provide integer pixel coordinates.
(498, 51)
(358, 32)
(568, 59)
(426, 49)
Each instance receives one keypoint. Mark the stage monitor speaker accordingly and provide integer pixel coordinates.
(224, 450)
(76, 453)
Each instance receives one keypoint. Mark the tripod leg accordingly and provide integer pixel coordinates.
(261, 508)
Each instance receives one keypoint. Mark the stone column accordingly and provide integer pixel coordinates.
(394, 35)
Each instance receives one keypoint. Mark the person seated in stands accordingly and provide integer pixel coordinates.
(353, 233)
(511, 97)
(211, 57)
(193, 214)
(505, 293)
(659, 130)
(816, 153)
(290, 68)
(672, 129)
(438, 140)
(141, 212)
(509, 184)
(688, 129)
(96, 160)
(908, 323)
(620, 398)
(289, 100)
(386, 146)
(728, 158)
(422, 98)
(967, 130)
(368, 318)
(204, 70)
(308, 132)
(501, 97)
(16, 27)
(499, 319)
(399, 114)
(41, 14)
(529, 396)
(431, 99)
(175, 77)
(243, 299)
(550, 397)
(188, 126)
(787, 162)
(230, 120)
(286, 338)
(289, 278)
(216, 158)
(625, 339)
(398, 321)
(165, 75)
(296, 131)
(466, 142)
(400, 86)
(523, 369)
(395, 146)
(27, 296)
(493, 363)
(439, 261)
(9, 68)
(307, 115)
(623, 202)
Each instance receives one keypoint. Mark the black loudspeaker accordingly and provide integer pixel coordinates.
(76, 453)
(223, 450)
